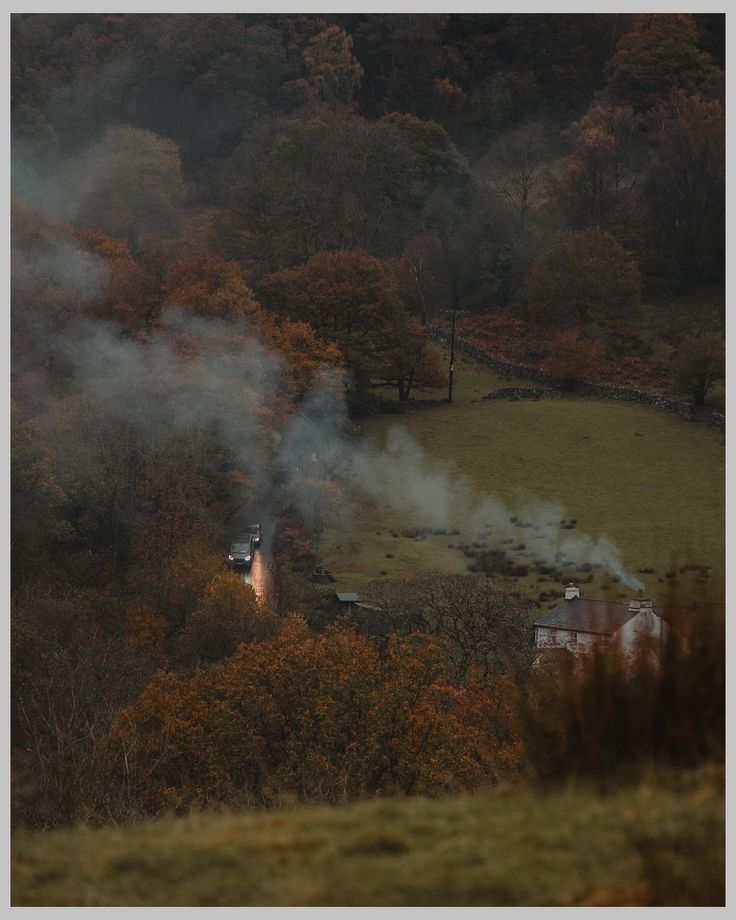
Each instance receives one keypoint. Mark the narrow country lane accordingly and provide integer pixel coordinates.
(259, 576)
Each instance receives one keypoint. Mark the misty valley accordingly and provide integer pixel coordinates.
(367, 459)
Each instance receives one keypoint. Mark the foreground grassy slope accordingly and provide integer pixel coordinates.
(658, 843)
(652, 482)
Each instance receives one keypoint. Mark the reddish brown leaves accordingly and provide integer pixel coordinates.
(313, 717)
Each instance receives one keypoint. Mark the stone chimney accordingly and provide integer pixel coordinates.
(571, 591)
(639, 603)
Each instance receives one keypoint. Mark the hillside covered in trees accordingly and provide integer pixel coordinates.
(232, 237)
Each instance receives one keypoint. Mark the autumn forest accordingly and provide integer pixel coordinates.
(236, 237)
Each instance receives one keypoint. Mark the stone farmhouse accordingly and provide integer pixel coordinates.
(577, 623)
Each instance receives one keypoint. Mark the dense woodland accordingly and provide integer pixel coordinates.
(226, 228)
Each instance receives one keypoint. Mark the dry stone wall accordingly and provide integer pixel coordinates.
(671, 404)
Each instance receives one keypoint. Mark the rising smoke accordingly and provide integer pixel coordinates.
(316, 447)
(163, 390)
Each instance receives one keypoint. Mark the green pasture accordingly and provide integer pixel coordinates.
(661, 843)
(652, 482)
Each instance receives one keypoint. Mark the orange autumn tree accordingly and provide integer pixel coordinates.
(332, 73)
(573, 357)
(354, 301)
(212, 287)
(585, 277)
(228, 614)
(307, 356)
(311, 717)
(130, 295)
(217, 288)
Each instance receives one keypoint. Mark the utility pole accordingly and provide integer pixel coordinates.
(452, 358)
(454, 312)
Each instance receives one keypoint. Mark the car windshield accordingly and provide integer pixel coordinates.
(239, 547)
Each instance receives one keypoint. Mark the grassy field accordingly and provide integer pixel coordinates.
(652, 482)
(661, 842)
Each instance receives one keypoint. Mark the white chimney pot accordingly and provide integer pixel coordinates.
(641, 603)
(571, 591)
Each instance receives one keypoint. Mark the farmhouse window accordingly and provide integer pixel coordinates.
(573, 638)
(553, 637)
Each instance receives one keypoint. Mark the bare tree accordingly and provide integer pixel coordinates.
(487, 625)
(516, 165)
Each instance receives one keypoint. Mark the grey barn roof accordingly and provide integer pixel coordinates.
(347, 597)
(582, 615)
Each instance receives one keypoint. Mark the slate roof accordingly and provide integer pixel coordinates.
(347, 597)
(579, 614)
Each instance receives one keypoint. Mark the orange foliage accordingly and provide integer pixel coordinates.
(306, 716)
(349, 297)
(131, 295)
(229, 613)
(573, 357)
(305, 353)
(332, 72)
(210, 286)
(354, 301)
(195, 566)
(217, 288)
(585, 276)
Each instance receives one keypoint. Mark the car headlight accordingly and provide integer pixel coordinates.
(247, 558)
(229, 557)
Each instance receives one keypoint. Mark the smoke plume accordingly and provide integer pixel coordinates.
(316, 447)
(196, 377)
